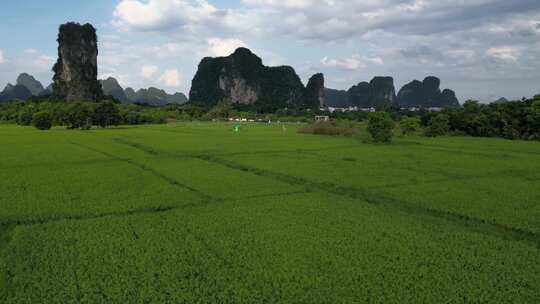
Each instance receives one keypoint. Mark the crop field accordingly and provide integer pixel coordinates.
(197, 213)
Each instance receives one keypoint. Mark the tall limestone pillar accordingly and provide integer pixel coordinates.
(75, 72)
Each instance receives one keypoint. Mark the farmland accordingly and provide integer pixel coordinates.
(197, 213)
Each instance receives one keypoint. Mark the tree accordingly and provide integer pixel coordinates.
(132, 118)
(42, 121)
(78, 115)
(106, 114)
(438, 126)
(25, 115)
(380, 126)
(535, 118)
(222, 110)
(409, 125)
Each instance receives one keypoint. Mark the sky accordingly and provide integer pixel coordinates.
(482, 49)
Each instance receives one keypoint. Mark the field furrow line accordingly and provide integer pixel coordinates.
(6, 277)
(273, 195)
(472, 223)
(87, 217)
(151, 151)
(62, 164)
(376, 198)
(152, 171)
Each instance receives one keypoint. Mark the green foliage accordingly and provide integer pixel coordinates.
(410, 125)
(78, 115)
(438, 126)
(335, 128)
(380, 127)
(534, 118)
(25, 116)
(131, 117)
(42, 121)
(106, 114)
(511, 120)
(85, 114)
(221, 111)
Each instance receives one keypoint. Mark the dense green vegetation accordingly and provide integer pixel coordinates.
(409, 125)
(196, 213)
(42, 121)
(84, 115)
(439, 125)
(76, 115)
(335, 128)
(510, 120)
(381, 127)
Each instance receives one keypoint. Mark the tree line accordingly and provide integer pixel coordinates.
(80, 115)
(511, 120)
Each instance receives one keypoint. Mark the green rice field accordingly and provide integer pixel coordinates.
(197, 213)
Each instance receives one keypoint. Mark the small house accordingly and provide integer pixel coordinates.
(322, 118)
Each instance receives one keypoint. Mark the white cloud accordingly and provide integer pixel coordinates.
(503, 53)
(171, 78)
(31, 51)
(320, 20)
(148, 71)
(296, 4)
(223, 47)
(45, 62)
(154, 15)
(460, 41)
(375, 60)
(461, 53)
(2, 58)
(123, 79)
(352, 63)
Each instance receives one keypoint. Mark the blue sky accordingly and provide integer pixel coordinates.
(479, 48)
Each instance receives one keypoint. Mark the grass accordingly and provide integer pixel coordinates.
(341, 128)
(196, 213)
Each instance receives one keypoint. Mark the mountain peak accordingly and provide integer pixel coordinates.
(35, 87)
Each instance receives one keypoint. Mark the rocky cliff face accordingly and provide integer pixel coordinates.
(244, 79)
(154, 96)
(412, 94)
(359, 95)
(131, 94)
(448, 99)
(111, 87)
(426, 94)
(48, 90)
(315, 92)
(75, 72)
(383, 92)
(28, 81)
(431, 89)
(379, 93)
(235, 77)
(336, 98)
(15, 92)
(26, 87)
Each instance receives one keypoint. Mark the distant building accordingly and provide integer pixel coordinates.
(349, 109)
(370, 110)
(322, 118)
(417, 109)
